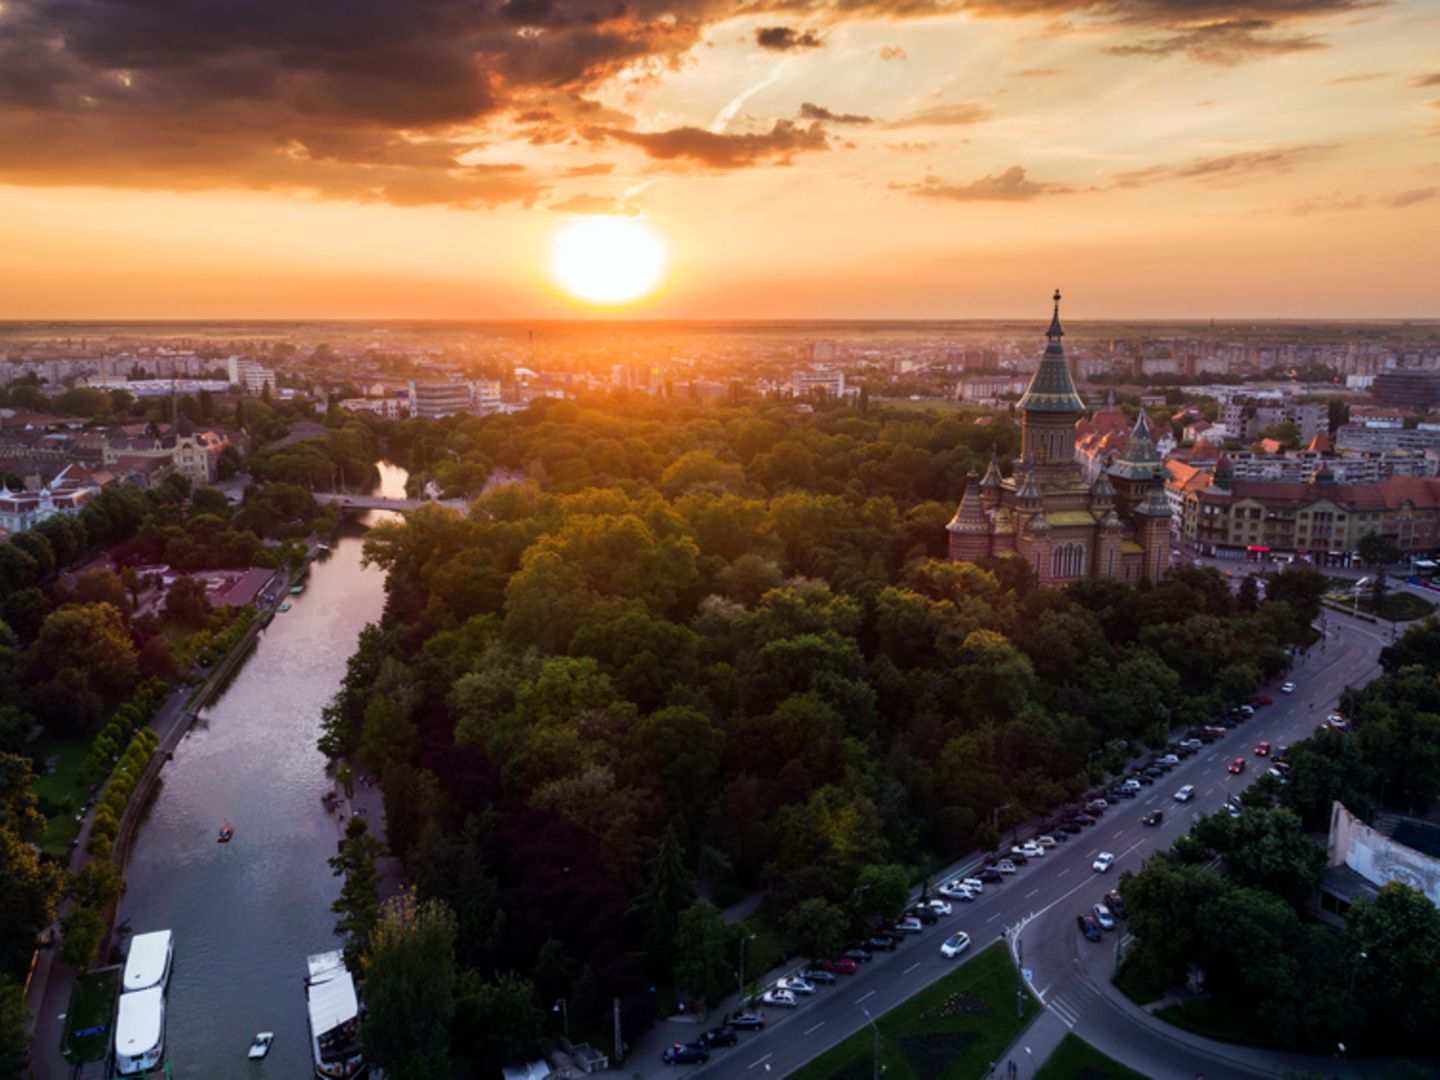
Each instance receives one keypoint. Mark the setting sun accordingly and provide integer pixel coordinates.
(607, 260)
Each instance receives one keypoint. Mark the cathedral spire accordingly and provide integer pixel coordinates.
(1055, 333)
(1051, 389)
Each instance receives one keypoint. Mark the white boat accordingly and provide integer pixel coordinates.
(149, 961)
(261, 1046)
(140, 1032)
(333, 1012)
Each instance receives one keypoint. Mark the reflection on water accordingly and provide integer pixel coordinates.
(246, 914)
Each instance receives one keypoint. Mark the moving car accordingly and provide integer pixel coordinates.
(1104, 918)
(1287, 688)
(796, 985)
(782, 998)
(1237, 766)
(1185, 794)
(1088, 926)
(721, 1036)
(686, 1054)
(1103, 862)
(1154, 817)
(1262, 749)
(955, 944)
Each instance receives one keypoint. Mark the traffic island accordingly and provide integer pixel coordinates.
(1075, 1059)
(954, 1028)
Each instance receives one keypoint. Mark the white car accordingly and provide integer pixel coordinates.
(966, 894)
(1287, 688)
(955, 944)
(1033, 850)
(1104, 918)
(1130, 785)
(910, 926)
(1170, 759)
(783, 998)
(1005, 866)
(1185, 794)
(940, 907)
(974, 884)
(1103, 862)
(1046, 841)
(796, 985)
(955, 890)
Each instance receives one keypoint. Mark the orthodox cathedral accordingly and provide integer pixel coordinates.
(1066, 527)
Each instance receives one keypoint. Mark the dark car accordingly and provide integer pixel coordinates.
(991, 876)
(879, 943)
(857, 955)
(1098, 806)
(1018, 858)
(745, 1021)
(1263, 699)
(925, 913)
(1154, 817)
(1070, 827)
(1083, 819)
(721, 1036)
(686, 1054)
(1146, 778)
(1154, 772)
(1089, 927)
(1116, 902)
(1057, 833)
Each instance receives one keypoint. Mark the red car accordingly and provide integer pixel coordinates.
(1263, 750)
(1263, 699)
(1238, 765)
(841, 965)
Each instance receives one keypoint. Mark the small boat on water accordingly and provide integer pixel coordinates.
(227, 833)
(261, 1046)
(284, 607)
(296, 590)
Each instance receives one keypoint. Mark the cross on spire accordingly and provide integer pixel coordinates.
(1055, 333)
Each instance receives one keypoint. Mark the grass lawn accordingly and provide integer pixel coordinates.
(1137, 987)
(1075, 1059)
(62, 793)
(92, 1005)
(1397, 605)
(952, 1029)
(1217, 1019)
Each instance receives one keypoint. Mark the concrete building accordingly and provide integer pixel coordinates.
(434, 400)
(1047, 513)
(1419, 389)
(1246, 416)
(807, 381)
(1362, 859)
(66, 494)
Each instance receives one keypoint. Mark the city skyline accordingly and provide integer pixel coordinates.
(917, 161)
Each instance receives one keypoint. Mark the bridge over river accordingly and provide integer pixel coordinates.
(380, 502)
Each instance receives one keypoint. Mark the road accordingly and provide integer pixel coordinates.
(1054, 889)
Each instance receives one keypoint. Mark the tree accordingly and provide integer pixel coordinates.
(90, 641)
(358, 904)
(209, 500)
(1377, 550)
(497, 1023)
(817, 928)
(410, 977)
(101, 587)
(1267, 850)
(1399, 934)
(187, 602)
(702, 952)
(882, 891)
(81, 930)
(1301, 587)
(1249, 594)
(29, 890)
(14, 1028)
(1286, 433)
(669, 891)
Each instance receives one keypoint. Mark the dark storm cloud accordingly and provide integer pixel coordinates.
(374, 99)
(706, 148)
(786, 38)
(1012, 185)
(811, 111)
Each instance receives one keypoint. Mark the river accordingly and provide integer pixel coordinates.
(246, 914)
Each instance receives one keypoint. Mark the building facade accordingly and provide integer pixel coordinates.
(431, 401)
(1046, 512)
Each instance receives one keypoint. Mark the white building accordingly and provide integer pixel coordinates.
(434, 400)
(805, 381)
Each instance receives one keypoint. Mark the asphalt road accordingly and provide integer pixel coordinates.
(1053, 889)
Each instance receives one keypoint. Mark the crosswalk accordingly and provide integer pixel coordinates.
(1070, 1001)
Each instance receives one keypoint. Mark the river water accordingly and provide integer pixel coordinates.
(246, 914)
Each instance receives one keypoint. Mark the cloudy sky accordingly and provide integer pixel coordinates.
(924, 158)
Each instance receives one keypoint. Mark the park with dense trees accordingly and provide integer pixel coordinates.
(700, 653)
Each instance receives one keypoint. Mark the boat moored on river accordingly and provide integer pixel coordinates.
(140, 1033)
(148, 964)
(333, 1011)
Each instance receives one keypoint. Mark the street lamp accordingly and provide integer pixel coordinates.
(563, 1008)
(1030, 1057)
(876, 1070)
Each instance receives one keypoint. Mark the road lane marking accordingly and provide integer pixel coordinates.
(814, 1028)
(1119, 833)
(861, 1000)
(1063, 872)
(761, 1061)
(1031, 893)
(992, 918)
(911, 968)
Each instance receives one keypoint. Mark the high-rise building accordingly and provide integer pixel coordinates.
(434, 400)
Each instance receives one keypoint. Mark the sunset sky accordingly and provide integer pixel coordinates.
(374, 159)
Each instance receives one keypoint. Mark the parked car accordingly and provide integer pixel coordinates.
(1287, 688)
(1045, 841)
(1237, 766)
(1191, 744)
(878, 943)
(923, 912)
(1081, 819)
(1115, 902)
(1103, 862)
(1169, 759)
(746, 1021)
(1006, 866)
(1057, 837)
(856, 955)
(1247, 711)
(974, 884)
(818, 975)
(1262, 749)
(1279, 774)
(1185, 794)
(955, 944)
(796, 985)
(686, 1054)
(1070, 827)
(940, 907)
(911, 925)
(721, 1036)
(953, 889)
(1088, 926)
(1262, 699)
(1097, 806)
(1154, 817)
(1018, 857)
(783, 999)
(1104, 917)
(841, 965)
(991, 876)
(1132, 784)
(1032, 850)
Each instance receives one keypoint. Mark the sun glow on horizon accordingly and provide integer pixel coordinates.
(607, 259)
